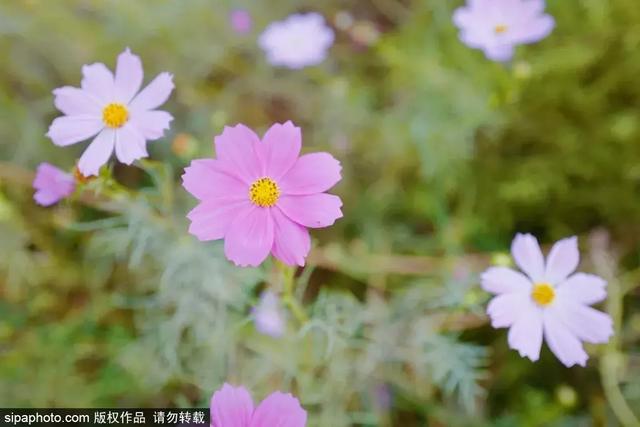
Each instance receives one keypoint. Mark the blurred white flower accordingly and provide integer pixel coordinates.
(268, 316)
(299, 41)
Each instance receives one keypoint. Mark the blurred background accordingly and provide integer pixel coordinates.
(445, 156)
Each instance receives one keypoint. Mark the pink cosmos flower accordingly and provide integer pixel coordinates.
(497, 26)
(52, 185)
(241, 21)
(110, 107)
(233, 407)
(268, 316)
(260, 196)
(548, 301)
(298, 41)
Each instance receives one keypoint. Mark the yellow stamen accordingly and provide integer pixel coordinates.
(264, 192)
(543, 294)
(500, 29)
(115, 115)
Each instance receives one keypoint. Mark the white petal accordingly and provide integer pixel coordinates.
(586, 323)
(583, 288)
(526, 333)
(128, 76)
(97, 154)
(499, 280)
(564, 344)
(505, 309)
(528, 256)
(563, 260)
(130, 144)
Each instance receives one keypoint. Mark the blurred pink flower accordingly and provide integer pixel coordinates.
(52, 185)
(268, 316)
(260, 196)
(241, 21)
(233, 407)
(298, 41)
(497, 26)
(549, 300)
(111, 107)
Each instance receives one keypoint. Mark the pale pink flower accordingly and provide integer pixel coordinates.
(52, 185)
(268, 316)
(260, 196)
(233, 407)
(548, 301)
(110, 107)
(241, 21)
(497, 26)
(299, 41)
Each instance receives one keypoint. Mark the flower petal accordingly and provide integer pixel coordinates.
(564, 344)
(527, 255)
(499, 52)
(586, 323)
(534, 30)
(313, 210)
(279, 409)
(563, 260)
(291, 243)
(67, 130)
(211, 219)
(231, 407)
(151, 124)
(128, 76)
(130, 144)
(583, 288)
(279, 149)
(499, 280)
(208, 179)
(97, 154)
(235, 146)
(98, 81)
(525, 334)
(311, 173)
(249, 239)
(52, 184)
(155, 94)
(505, 309)
(73, 101)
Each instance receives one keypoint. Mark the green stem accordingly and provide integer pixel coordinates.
(609, 364)
(288, 296)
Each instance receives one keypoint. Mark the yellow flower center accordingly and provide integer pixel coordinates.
(500, 29)
(264, 192)
(115, 115)
(543, 294)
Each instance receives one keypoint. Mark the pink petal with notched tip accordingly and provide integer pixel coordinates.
(313, 210)
(279, 149)
(311, 173)
(236, 148)
(210, 179)
(231, 407)
(281, 410)
(250, 237)
(130, 144)
(211, 219)
(291, 242)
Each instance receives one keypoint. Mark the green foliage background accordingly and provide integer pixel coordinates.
(445, 155)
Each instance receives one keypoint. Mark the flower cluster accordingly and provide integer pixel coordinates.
(261, 195)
